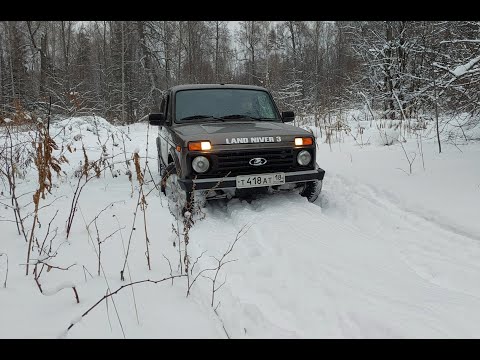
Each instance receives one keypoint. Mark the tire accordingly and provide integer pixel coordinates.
(177, 198)
(312, 190)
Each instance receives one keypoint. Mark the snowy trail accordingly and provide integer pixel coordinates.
(376, 256)
(431, 247)
(368, 268)
(388, 201)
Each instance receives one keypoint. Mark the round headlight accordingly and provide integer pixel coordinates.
(304, 157)
(200, 164)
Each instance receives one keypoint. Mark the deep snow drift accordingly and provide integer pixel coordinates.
(382, 253)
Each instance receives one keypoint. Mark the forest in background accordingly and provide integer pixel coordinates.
(119, 69)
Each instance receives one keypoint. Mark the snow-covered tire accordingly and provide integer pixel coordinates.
(312, 190)
(177, 198)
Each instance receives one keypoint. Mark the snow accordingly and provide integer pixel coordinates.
(7, 120)
(462, 69)
(381, 254)
(463, 126)
(386, 136)
(93, 124)
(60, 287)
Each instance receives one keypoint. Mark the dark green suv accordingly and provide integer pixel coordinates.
(223, 141)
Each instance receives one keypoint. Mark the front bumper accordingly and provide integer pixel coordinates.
(230, 182)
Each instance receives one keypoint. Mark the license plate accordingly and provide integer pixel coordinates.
(257, 180)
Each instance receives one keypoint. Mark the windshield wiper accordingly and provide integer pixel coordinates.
(196, 117)
(239, 116)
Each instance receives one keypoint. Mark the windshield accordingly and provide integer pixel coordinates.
(223, 105)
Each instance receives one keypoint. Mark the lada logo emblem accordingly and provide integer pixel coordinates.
(257, 161)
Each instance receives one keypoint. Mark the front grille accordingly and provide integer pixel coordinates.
(237, 162)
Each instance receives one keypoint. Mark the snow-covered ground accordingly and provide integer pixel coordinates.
(382, 253)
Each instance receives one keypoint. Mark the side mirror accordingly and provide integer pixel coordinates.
(288, 116)
(156, 119)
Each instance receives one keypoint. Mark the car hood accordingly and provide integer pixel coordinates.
(239, 132)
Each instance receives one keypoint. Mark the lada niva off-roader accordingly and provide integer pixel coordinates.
(224, 141)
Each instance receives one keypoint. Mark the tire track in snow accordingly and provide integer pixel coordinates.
(299, 266)
(438, 255)
(265, 314)
(388, 201)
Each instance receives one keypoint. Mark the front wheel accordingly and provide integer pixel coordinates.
(177, 198)
(311, 190)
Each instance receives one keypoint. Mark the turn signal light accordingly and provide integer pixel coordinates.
(303, 141)
(199, 145)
